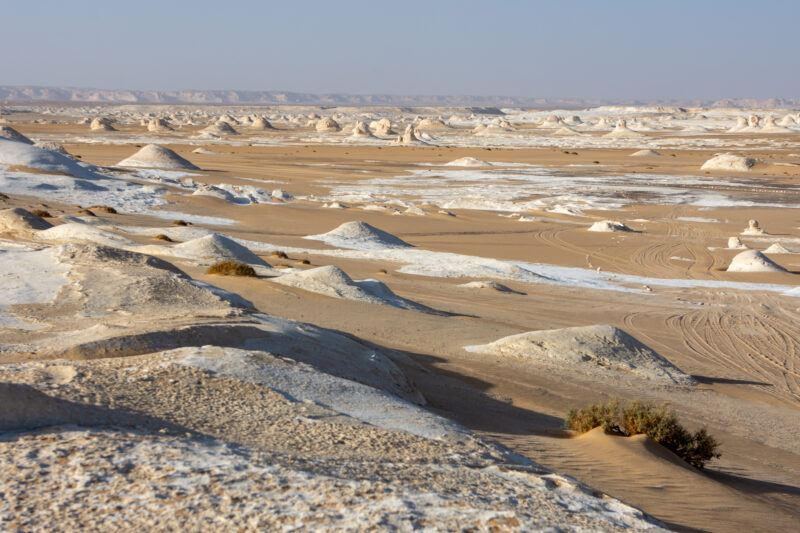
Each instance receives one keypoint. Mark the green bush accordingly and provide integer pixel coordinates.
(656, 421)
(229, 267)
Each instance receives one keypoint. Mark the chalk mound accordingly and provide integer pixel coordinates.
(7, 132)
(159, 125)
(645, 153)
(777, 248)
(552, 122)
(753, 261)
(21, 154)
(609, 226)
(771, 127)
(261, 124)
(155, 156)
(101, 124)
(432, 124)
(204, 151)
(359, 236)
(53, 147)
(327, 125)
(741, 125)
(732, 162)
(490, 285)
(621, 130)
(409, 137)
(735, 243)
(213, 248)
(219, 127)
(21, 221)
(78, 233)
(467, 162)
(603, 347)
(383, 127)
(566, 130)
(360, 130)
(753, 228)
(602, 124)
(787, 120)
(334, 282)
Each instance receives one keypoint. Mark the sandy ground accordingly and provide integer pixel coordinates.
(743, 346)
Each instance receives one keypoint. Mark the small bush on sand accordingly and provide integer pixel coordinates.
(180, 223)
(104, 209)
(229, 267)
(162, 237)
(279, 254)
(42, 213)
(656, 421)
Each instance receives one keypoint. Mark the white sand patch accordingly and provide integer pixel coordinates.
(730, 162)
(359, 236)
(604, 347)
(334, 282)
(489, 285)
(608, 226)
(753, 261)
(155, 156)
(28, 277)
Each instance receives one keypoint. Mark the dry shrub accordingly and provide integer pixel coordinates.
(658, 422)
(44, 213)
(279, 254)
(162, 237)
(229, 267)
(181, 223)
(104, 209)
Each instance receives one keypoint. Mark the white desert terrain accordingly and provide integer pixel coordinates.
(429, 291)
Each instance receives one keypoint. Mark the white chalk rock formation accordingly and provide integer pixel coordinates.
(777, 248)
(771, 127)
(359, 236)
(155, 156)
(382, 127)
(409, 137)
(327, 125)
(361, 131)
(432, 124)
(645, 153)
(730, 162)
(753, 261)
(26, 155)
(599, 347)
(7, 132)
(21, 222)
(753, 228)
(735, 243)
(261, 124)
(219, 128)
(101, 124)
(741, 125)
(621, 130)
(606, 226)
(159, 125)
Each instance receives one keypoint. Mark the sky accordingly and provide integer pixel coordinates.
(648, 49)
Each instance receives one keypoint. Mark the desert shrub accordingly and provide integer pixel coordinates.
(104, 209)
(229, 267)
(42, 213)
(658, 422)
(162, 237)
(86, 212)
(279, 254)
(180, 223)
(303, 262)
(605, 416)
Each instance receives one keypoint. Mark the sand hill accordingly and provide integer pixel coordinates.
(601, 347)
(155, 156)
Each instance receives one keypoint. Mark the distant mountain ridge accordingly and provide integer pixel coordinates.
(234, 97)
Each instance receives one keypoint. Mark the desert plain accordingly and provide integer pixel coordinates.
(433, 289)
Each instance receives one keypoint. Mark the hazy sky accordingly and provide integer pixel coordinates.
(604, 49)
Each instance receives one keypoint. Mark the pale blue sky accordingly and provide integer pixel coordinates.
(578, 48)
